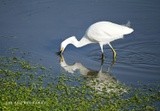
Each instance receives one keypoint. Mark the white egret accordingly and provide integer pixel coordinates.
(102, 32)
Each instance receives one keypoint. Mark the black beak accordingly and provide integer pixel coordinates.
(59, 53)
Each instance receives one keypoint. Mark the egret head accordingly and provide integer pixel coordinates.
(64, 44)
(61, 51)
(62, 47)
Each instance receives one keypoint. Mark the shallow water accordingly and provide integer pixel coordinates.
(38, 27)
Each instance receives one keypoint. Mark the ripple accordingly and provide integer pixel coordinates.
(142, 55)
(149, 44)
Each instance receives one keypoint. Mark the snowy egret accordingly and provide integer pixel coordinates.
(102, 32)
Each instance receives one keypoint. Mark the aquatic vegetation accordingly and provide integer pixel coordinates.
(27, 86)
(99, 80)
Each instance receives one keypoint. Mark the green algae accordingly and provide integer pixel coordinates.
(24, 87)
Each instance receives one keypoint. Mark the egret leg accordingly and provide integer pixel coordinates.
(102, 57)
(114, 52)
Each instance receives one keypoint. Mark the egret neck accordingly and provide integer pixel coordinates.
(72, 40)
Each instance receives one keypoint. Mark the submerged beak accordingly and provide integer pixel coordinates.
(60, 52)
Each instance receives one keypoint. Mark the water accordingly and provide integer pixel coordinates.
(38, 27)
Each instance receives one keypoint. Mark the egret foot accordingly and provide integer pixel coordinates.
(114, 55)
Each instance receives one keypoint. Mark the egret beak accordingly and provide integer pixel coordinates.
(60, 52)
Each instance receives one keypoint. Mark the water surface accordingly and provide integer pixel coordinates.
(38, 27)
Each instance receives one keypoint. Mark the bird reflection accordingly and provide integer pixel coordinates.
(99, 80)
